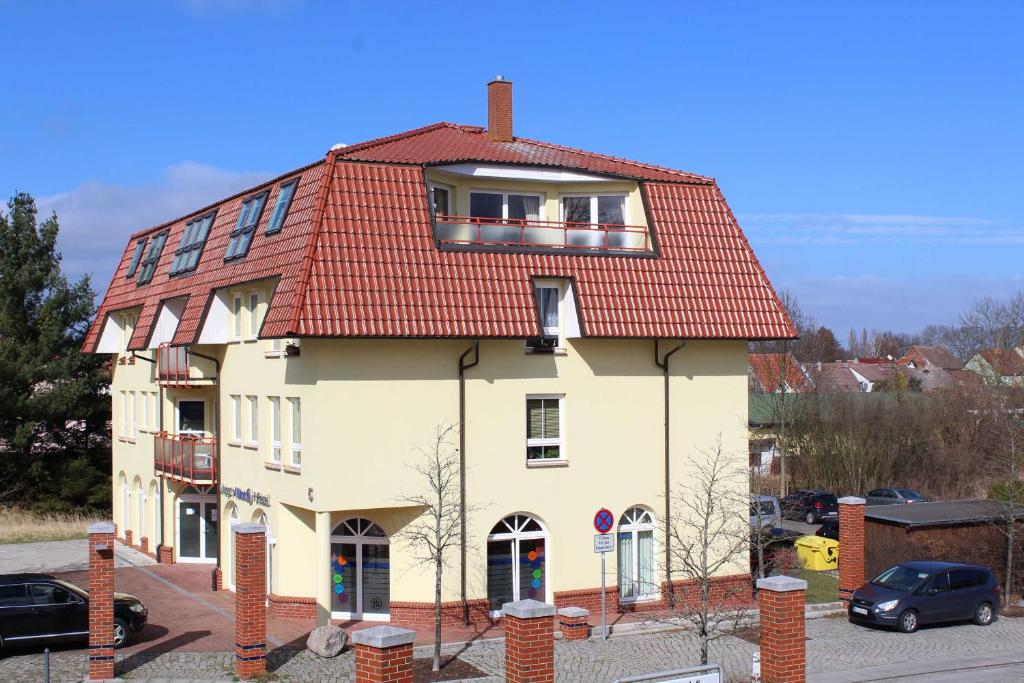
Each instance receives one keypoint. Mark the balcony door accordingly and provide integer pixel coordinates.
(197, 528)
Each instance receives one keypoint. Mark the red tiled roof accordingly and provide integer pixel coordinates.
(768, 369)
(1004, 361)
(931, 357)
(357, 257)
(833, 377)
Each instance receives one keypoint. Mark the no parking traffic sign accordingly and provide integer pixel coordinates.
(603, 521)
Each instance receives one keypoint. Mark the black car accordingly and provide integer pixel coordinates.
(38, 608)
(829, 529)
(809, 505)
(914, 593)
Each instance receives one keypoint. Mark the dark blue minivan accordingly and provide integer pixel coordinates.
(915, 593)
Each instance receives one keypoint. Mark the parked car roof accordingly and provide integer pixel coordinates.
(26, 576)
(938, 566)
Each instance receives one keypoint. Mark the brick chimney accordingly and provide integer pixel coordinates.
(499, 110)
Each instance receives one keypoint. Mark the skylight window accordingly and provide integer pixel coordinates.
(281, 206)
(148, 265)
(140, 246)
(248, 218)
(191, 246)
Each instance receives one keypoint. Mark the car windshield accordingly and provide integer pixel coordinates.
(909, 493)
(900, 578)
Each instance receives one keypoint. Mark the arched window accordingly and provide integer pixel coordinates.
(126, 498)
(158, 532)
(360, 571)
(516, 561)
(140, 503)
(636, 555)
(260, 517)
(232, 523)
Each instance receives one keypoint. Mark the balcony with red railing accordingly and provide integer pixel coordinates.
(538, 234)
(176, 367)
(190, 458)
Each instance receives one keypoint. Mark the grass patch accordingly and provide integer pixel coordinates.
(821, 586)
(20, 526)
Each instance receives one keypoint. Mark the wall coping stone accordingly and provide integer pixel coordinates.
(249, 528)
(782, 584)
(852, 500)
(528, 609)
(101, 528)
(573, 612)
(382, 637)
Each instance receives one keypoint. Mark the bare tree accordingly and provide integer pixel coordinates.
(436, 530)
(710, 537)
(1006, 416)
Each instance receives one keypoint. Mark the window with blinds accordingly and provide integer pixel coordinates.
(544, 428)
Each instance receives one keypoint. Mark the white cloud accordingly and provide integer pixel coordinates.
(849, 229)
(96, 218)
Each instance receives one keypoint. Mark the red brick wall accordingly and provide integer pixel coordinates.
(851, 549)
(735, 591)
(783, 637)
(590, 599)
(128, 538)
(384, 665)
(499, 111)
(422, 613)
(165, 555)
(529, 650)
(101, 603)
(289, 607)
(144, 544)
(250, 601)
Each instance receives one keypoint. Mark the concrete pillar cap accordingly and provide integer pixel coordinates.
(573, 612)
(781, 584)
(528, 609)
(101, 528)
(381, 637)
(250, 528)
(852, 500)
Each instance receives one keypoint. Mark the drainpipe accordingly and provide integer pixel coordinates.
(216, 441)
(663, 364)
(463, 366)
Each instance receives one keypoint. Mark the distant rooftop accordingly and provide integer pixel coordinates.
(940, 513)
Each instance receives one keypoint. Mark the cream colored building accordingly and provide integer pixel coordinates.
(285, 356)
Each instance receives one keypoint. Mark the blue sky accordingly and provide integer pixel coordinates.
(873, 152)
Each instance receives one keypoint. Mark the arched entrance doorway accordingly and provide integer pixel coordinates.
(516, 561)
(360, 571)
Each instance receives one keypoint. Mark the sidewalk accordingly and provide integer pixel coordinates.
(1008, 666)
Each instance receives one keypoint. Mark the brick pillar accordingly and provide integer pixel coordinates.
(529, 642)
(384, 654)
(128, 540)
(783, 647)
(217, 579)
(101, 601)
(144, 544)
(851, 546)
(250, 600)
(572, 622)
(165, 554)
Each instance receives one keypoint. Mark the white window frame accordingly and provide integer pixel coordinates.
(560, 441)
(127, 330)
(626, 218)
(254, 314)
(643, 593)
(254, 421)
(144, 399)
(154, 413)
(295, 430)
(560, 285)
(275, 429)
(450, 189)
(237, 306)
(135, 415)
(542, 209)
(123, 427)
(236, 418)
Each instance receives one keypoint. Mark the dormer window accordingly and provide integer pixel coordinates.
(186, 257)
(505, 205)
(441, 199)
(248, 219)
(601, 209)
(149, 263)
(140, 246)
(281, 206)
(549, 295)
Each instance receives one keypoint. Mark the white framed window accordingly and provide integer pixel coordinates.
(236, 317)
(441, 199)
(254, 420)
(123, 427)
(154, 411)
(603, 209)
(144, 398)
(275, 428)
(127, 329)
(236, 418)
(134, 432)
(254, 314)
(510, 206)
(550, 298)
(295, 445)
(635, 546)
(545, 431)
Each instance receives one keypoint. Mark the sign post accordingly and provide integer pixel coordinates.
(603, 544)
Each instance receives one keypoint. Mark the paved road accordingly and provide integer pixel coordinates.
(61, 556)
(802, 527)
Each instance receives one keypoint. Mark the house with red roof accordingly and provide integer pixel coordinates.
(771, 373)
(999, 366)
(566, 329)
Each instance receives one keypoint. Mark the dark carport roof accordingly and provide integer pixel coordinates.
(941, 513)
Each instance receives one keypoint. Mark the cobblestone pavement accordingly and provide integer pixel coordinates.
(833, 644)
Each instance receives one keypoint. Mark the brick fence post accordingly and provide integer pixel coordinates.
(783, 633)
(572, 622)
(851, 546)
(529, 642)
(250, 600)
(101, 601)
(384, 654)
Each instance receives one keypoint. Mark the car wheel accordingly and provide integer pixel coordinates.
(908, 621)
(809, 518)
(983, 614)
(120, 633)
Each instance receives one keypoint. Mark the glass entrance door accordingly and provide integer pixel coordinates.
(360, 572)
(516, 561)
(197, 529)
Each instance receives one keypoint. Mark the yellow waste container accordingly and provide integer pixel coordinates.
(817, 553)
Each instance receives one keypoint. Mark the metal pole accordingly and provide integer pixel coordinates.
(46, 665)
(604, 610)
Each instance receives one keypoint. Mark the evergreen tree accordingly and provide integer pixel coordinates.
(54, 402)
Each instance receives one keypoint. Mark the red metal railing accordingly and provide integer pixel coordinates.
(513, 232)
(187, 457)
(172, 365)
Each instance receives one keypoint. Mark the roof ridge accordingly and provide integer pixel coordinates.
(252, 188)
